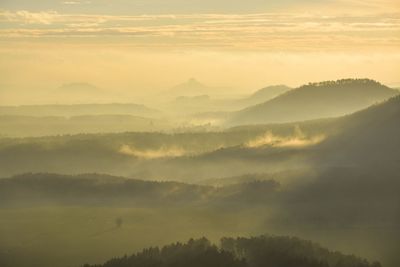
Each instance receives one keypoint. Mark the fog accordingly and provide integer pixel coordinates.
(232, 74)
(298, 139)
(317, 180)
(201, 133)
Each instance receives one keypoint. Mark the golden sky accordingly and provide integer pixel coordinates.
(142, 46)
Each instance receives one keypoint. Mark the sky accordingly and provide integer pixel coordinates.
(131, 48)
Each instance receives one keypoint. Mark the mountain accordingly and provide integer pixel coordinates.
(264, 94)
(315, 100)
(196, 101)
(190, 88)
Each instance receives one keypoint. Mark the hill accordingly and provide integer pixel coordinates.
(190, 88)
(193, 100)
(204, 155)
(264, 95)
(93, 189)
(332, 191)
(30, 126)
(315, 100)
(310, 145)
(267, 251)
(374, 129)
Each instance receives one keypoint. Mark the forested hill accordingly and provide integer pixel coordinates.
(264, 94)
(263, 251)
(40, 188)
(316, 100)
(376, 129)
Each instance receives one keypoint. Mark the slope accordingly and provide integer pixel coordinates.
(315, 100)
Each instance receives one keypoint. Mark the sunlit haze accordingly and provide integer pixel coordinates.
(199, 133)
(135, 48)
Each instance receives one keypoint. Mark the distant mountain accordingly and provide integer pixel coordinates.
(192, 97)
(315, 100)
(264, 94)
(190, 88)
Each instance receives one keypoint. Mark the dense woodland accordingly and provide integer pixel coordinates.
(266, 251)
(315, 100)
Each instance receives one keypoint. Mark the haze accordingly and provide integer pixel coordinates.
(136, 48)
(199, 133)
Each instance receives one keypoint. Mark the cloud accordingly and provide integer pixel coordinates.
(72, 3)
(278, 31)
(76, 2)
(163, 152)
(26, 17)
(298, 139)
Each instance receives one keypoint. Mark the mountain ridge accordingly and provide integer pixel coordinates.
(315, 100)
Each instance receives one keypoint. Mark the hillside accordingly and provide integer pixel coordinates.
(376, 129)
(205, 155)
(267, 251)
(131, 154)
(318, 144)
(193, 101)
(330, 191)
(31, 126)
(93, 189)
(315, 100)
(235, 152)
(264, 95)
(189, 88)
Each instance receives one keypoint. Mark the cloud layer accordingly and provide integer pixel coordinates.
(277, 31)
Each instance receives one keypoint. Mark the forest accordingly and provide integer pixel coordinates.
(79, 197)
(240, 252)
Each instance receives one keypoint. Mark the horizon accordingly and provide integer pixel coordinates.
(215, 92)
(133, 48)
